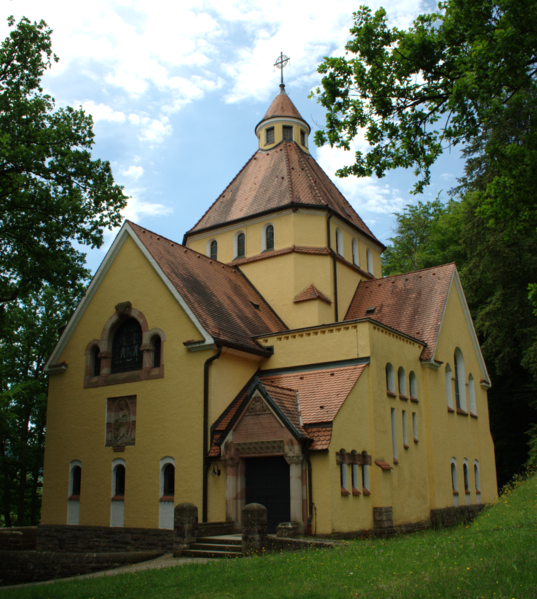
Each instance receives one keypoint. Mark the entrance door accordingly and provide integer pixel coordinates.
(267, 483)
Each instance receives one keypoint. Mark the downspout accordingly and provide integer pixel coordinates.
(206, 462)
(310, 493)
(334, 261)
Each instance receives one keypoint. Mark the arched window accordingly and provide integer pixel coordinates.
(117, 507)
(365, 474)
(460, 378)
(355, 253)
(454, 482)
(369, 261)
(157, 346)
(390, 378)
(169, 480)
(394, 436)
(401, 376)
(339, 242)
(471, 395)
(126, 352)
(120, 481)
(77, 480)
(167, 492)
(269, 238)
(75, 484)
(241, 246)
(95, 361)
(413, 385)
(466, 477)
(213, 250)
(449, 393)
(477, 479)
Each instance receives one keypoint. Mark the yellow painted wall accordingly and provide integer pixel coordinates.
(457, 435)
(169, 410)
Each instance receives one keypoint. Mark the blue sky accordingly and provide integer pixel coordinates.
(176, 89)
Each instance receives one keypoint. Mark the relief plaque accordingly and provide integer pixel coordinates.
(120, 421)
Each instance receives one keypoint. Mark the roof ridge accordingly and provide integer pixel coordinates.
(278, 386)
(308, 175)
(185, 248)
(223, 192)
(288, 167)
(411, 272)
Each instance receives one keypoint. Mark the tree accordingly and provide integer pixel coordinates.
(32, 331)
(434, 86)
(51, 191)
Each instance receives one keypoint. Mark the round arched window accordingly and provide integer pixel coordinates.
(126, 352)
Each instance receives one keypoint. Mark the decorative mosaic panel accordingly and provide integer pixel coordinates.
(259, 447)
(120, 421)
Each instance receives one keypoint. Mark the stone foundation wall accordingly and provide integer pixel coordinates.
(451, 516)
(102, 539)
(18, 567)
(18, 538)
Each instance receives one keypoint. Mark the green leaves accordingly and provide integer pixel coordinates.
(51, 191)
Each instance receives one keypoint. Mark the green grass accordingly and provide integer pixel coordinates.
(494, 557)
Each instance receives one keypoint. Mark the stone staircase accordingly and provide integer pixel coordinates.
(215, 546)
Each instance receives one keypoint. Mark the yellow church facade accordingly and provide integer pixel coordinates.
(265, 359)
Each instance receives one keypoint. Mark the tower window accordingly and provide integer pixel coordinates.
(214, 250)
(241, 245)
(269, 135)
(156, 351)
(287, 133)
(126, 353)
(303, 138)
(269, 233)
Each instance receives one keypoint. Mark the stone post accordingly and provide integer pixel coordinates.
(254, 527)
(185, 526)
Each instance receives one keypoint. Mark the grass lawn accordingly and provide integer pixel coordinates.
(494, 557)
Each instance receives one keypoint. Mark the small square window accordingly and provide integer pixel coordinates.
(287, 133)
(269, 135)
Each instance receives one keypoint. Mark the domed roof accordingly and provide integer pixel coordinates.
(282, 107)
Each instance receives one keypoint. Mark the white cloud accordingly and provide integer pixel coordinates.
(137, 209)
(102, 112)
(133, 171)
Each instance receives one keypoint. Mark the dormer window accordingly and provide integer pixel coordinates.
(269, 135)
(287, 133)
(303, 137)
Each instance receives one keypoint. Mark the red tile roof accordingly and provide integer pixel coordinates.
(320, 435)
(298, 249)
(311, 293)
(321, 393)
(384, 465)
(273, 179)
(282, 106)
(221, 297)
(286, 400)
(412, 303)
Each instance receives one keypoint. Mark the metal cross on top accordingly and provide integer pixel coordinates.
(281, 62)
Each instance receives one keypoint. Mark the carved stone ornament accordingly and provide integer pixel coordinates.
(120, 421)
(229, 462)
(293, 459)
(259, 447)
(257, 406)
(124, 309)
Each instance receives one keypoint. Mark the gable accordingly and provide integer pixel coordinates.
(134, 276)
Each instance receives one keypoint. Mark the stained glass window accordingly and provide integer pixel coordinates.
(214, 250)
(126, 353)
(270, 237)
(240, 245)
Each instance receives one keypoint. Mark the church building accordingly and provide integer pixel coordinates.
(265, 359)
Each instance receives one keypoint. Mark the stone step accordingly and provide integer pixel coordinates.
(216, 547)
(221, 540)
(209, 553)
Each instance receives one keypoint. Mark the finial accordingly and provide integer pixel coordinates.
(280, 63)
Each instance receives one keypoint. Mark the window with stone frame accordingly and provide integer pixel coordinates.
(287, 133)
(156, 343)
(126, 347)
(95, 361)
